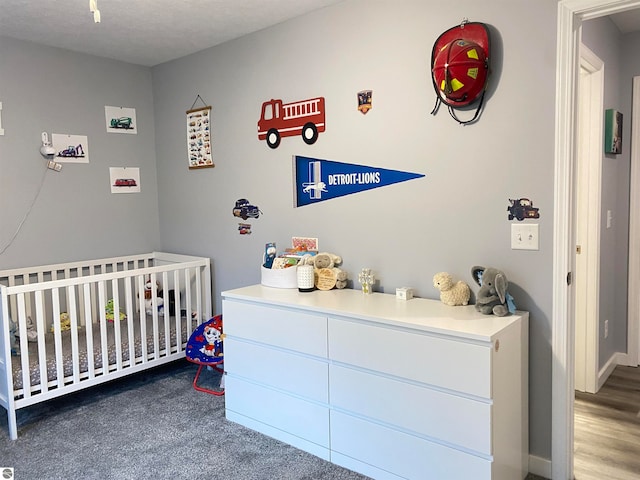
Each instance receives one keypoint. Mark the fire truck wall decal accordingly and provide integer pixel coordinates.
(318, 180)
(305, 118)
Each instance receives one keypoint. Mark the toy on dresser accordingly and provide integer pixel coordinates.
(451, 293)
(493, 297)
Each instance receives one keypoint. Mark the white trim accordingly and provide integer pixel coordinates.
(589, 153)
(633, 299)
(570, 15)
(616, 359)
(540, 466)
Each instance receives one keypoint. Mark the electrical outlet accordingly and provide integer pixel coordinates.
(524, 236)
(606, 328)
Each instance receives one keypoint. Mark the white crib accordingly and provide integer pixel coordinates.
(88, 348)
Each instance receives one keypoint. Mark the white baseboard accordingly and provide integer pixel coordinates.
(616, 359)
(540, 466)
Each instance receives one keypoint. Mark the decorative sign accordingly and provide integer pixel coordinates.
(364, 101)
(71, 148)
(318, 180)
(1, 129)
(325, 279)
(199, 138)
(121, 120)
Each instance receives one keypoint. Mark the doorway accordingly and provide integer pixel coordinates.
(571, 14)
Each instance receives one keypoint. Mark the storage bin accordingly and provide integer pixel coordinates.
(279, 278)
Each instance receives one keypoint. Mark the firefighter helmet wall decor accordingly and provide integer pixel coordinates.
(460, 68)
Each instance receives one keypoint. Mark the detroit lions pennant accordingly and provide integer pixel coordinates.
(317, 180)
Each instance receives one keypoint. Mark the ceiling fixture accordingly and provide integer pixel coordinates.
(93, 8)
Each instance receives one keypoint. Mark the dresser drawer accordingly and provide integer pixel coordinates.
(283, 328)
(438, 361)
(300, 375)
(407, 456)
(278, 411)
(448, 418)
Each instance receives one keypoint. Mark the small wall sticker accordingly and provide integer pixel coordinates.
(364, 101)
(121, 120)
(521, 208)
(70, 148)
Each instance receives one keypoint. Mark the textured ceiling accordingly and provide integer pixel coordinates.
(144, 32)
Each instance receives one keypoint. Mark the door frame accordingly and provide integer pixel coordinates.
(571, 14)
(588, 205)
(633, 301)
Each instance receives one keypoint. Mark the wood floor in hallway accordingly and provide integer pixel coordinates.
(607, 429)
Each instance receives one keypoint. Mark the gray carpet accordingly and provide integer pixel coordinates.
(152, 425)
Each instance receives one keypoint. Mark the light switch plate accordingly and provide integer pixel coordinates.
(525, 236)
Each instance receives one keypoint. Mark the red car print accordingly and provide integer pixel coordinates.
(125, 182)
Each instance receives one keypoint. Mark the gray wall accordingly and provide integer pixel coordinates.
(453, 218)
(74, 216)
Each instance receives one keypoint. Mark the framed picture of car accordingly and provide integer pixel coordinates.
(124, 179)
(121, 120)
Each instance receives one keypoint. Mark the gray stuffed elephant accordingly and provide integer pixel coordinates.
(492, 296)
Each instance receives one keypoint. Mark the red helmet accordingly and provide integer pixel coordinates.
(460, 67)
(460, 72)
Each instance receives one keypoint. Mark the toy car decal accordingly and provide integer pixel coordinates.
(278, 119)
(318, 180)
(245, 210)
(522, 208)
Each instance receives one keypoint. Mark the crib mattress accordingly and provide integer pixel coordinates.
(83, 366)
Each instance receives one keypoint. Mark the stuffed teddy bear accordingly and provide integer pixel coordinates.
(451, 293)
(492, 298)
(331, 261)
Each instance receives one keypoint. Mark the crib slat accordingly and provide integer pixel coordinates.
(130, 321)
(199, 299)
(154, 316)
(167, 325)
(142, 318)
(42, 351)
(24, 346)
(187, 296)
(87, 287)
(116, 323)
(178, 314)
(57, 337)
(103, 327)
(73, 316)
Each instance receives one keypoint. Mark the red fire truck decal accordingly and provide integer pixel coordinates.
(305, 118)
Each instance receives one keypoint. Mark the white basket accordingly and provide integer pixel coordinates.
(279, 278)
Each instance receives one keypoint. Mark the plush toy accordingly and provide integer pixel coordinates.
(109, 309)
(149, 303)
(331, 261)
(451, 293)
(65, 322)
(492, 298)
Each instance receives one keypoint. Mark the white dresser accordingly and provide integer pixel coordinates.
(394, 389)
